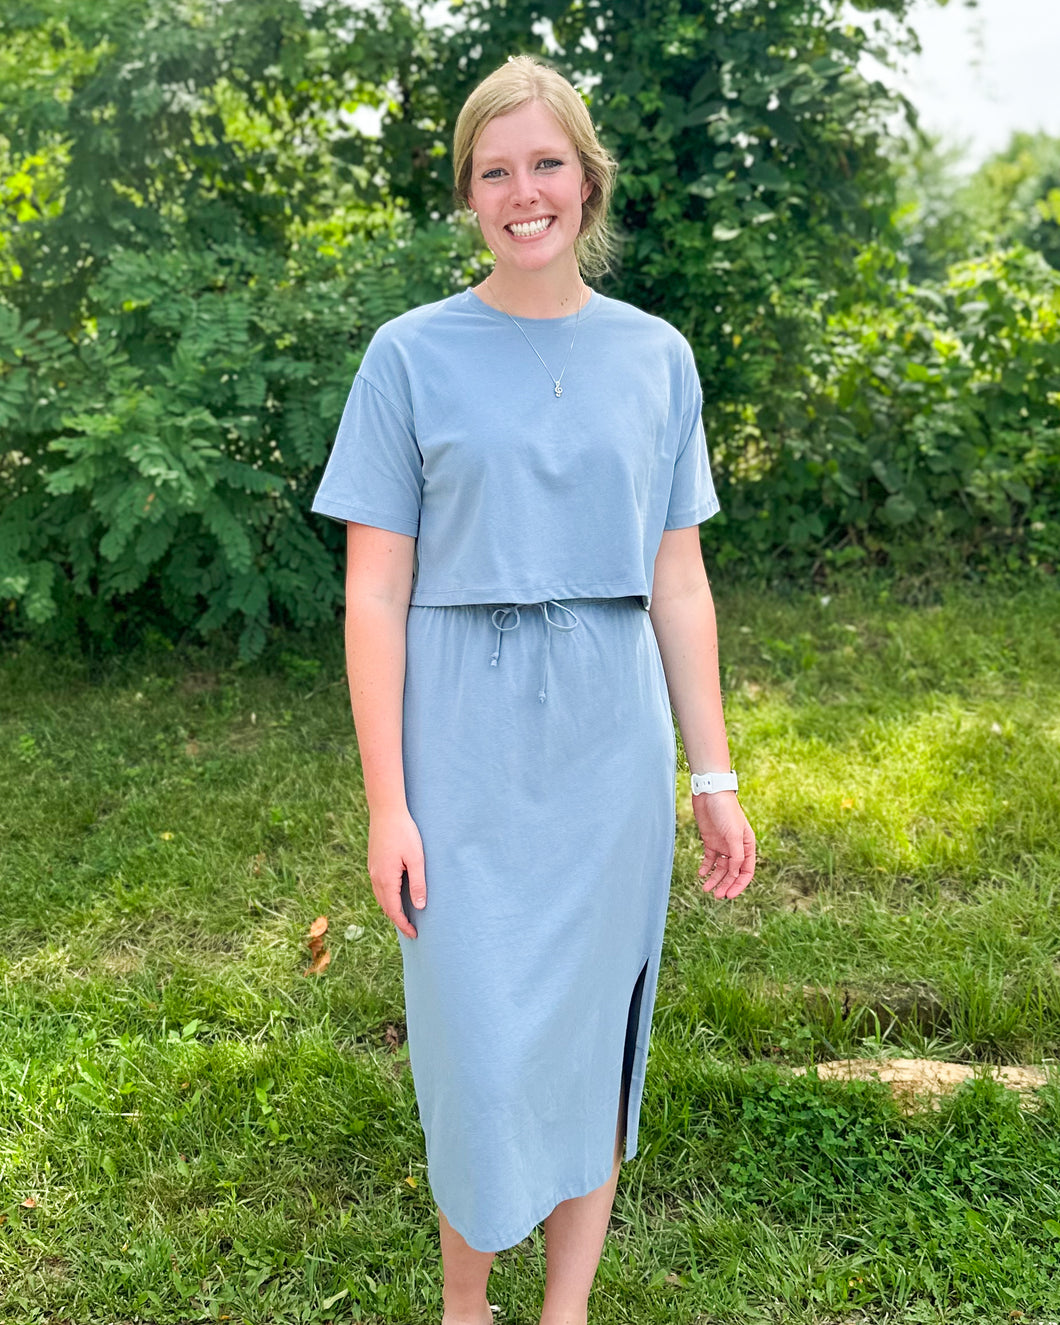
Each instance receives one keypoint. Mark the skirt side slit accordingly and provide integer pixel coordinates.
(629, 1051)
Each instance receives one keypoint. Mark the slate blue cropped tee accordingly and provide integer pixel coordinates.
(452, 433)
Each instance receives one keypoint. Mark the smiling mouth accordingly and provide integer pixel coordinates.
(527, 229)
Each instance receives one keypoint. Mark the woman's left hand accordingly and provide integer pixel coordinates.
(728, 843)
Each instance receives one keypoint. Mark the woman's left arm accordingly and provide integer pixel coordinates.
(682, 615)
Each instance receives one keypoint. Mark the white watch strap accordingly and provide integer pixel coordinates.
(711, 782)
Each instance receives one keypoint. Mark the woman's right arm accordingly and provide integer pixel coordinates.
(378, 587)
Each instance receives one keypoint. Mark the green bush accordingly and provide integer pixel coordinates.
(929, 426)
(195, 256)
(163, 461)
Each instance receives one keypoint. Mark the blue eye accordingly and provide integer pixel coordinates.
(546, 163)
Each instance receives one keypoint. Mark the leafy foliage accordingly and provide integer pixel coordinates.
(930, 429)
(198, 238)
(1016, 194)
(1013, 197)
(184, 311)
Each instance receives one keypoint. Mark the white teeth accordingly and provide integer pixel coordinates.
(525, 228)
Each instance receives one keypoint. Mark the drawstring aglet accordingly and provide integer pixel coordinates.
(494, 656)
(540, 696)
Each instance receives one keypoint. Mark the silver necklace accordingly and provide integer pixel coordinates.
(557, 382)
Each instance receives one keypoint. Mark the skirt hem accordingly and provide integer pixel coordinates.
(506, 1240)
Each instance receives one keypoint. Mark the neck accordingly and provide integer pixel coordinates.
(540, 294)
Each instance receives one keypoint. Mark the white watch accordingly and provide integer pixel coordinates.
(712, 782)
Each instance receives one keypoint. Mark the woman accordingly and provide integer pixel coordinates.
(522, 469)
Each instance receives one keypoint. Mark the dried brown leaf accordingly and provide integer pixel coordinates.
(316, 946)
(318, 927)
(319, 964)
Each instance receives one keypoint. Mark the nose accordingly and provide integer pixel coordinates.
(524, 188)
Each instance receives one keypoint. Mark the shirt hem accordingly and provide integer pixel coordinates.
(527, 594)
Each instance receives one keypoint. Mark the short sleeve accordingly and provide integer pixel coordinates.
(374, 474)
(692, 495)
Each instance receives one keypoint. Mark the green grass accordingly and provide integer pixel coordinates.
(206, 1134)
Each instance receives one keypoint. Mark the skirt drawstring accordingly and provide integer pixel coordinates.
(502, 622)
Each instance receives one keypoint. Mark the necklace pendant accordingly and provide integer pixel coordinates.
(557, 382)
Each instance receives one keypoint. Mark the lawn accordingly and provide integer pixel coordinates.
(192, 1129)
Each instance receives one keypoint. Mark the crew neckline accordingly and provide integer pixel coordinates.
(480, 305)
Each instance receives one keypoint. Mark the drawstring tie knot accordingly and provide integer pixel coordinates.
(508, 618)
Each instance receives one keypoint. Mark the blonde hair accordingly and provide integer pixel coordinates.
(523, 79)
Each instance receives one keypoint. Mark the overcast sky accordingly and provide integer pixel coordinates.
(985, 71)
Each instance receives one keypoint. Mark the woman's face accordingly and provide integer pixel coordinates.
(527, 187)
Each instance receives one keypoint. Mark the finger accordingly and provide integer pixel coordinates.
(388, 895)
(417, 882)
(735, 888)
(746, 871)
(397, 915)
(711, 866)
(402, 924)
(750, 858)
(721, 883)
(716, 874)
(713, 857)
(724, 878)
(735, 863)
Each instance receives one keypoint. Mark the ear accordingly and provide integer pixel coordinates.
(587, 188)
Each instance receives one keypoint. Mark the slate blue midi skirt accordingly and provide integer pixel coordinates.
(539, 760)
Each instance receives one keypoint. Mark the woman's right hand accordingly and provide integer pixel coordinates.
(395, 848)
